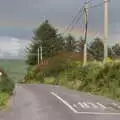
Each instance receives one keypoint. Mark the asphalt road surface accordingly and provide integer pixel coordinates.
(47, 102)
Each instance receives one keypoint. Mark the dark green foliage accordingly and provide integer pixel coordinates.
(116, 50)
(40, 77)
(55, 66)
(96, 48)
(80, 45)
(6, 85)
(47, 37)
(70, 43)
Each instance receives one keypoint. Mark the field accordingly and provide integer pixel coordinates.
(15, 69)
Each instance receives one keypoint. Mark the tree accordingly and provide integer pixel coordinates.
(116, 50)
(96, 49)
(70, 43)
(47, 37)
(80, 45)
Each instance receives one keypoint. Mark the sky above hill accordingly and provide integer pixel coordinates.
(18, 18)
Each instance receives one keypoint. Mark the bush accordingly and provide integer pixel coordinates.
(50, 80)
(40, 77)
(95, 77)
(6, 85)
(30, 74)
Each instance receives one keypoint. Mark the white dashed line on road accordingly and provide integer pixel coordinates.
(81, 105)
(102, 106)
(116, 105)
(86, 105)
(74, 105)
(93, 105)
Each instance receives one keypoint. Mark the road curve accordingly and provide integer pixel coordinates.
(48, 102)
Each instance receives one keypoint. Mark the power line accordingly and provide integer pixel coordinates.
(100, 4)
(70, 26)
(77, 20)
(89, 1)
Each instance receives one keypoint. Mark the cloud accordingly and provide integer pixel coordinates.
(25, 13)
(12, 47)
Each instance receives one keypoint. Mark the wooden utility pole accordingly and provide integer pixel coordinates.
(41, 52)
(105, 29)
(38, 55)
(85, 39)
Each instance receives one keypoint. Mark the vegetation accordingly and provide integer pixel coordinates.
(3, 99)
(70, 43)
(63, 63)
(96, 49)
(6, 88)
(47, 37)
(95, 77)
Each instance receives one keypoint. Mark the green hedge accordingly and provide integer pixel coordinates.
(6, 85)
(96, 77)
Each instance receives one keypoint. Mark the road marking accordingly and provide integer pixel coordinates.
(98, 113)
(94, 106)
(76, 112)
(116, 105)
(102, 106)
(65, 102)
(86, 105)
(81, 104)
(74, 105)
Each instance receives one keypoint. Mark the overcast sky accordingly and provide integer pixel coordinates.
(19, 17)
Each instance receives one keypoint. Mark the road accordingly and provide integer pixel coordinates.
(47, 102)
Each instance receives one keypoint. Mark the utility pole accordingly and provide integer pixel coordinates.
(105, 29)
(86, 30)
(41, 52)
(38, 55)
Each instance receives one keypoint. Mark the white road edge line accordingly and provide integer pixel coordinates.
(98, 113)
(65, 102)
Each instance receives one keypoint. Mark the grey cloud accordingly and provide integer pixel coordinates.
(58, 12)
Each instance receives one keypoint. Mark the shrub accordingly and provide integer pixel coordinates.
(40, 77)
(6, 85)
(50, 80)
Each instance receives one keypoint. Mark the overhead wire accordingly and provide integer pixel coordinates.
(100, 4)
(75, 20)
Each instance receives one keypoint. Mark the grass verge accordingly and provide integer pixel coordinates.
(4, 97)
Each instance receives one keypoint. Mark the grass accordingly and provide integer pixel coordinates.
(15, 69)
(3, 99)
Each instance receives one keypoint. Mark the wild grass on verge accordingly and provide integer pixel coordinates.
(96, 77)
(3, 99)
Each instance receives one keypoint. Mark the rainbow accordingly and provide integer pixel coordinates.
(27, 25)
(77, 32)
